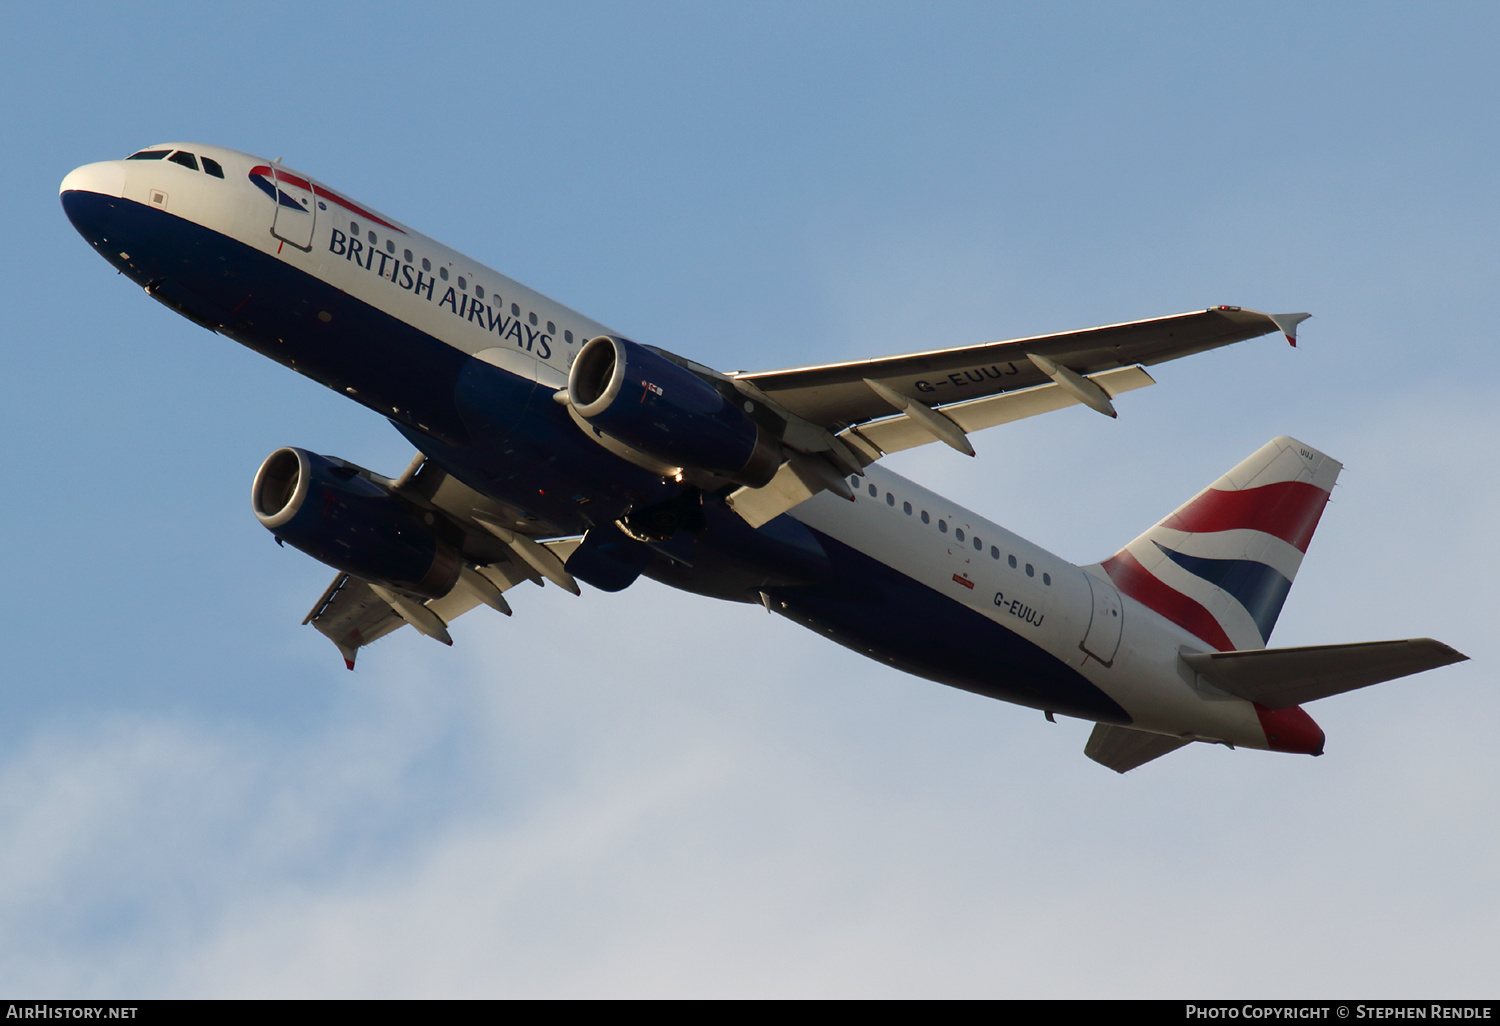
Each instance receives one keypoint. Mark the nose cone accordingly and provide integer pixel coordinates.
(89, 195)
(107, 178)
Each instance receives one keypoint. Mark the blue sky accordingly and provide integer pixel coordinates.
(649, 794)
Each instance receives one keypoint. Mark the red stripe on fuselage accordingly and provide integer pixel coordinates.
(1290, 510)
(322, 193)
(1139, 583)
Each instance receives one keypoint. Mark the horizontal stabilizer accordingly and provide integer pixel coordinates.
(1279, 678)
(1122, 749)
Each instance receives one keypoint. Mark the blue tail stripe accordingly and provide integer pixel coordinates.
(1257, 587)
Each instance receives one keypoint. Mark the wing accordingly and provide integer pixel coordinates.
(835, 394)
(353, 612)
(839, 416)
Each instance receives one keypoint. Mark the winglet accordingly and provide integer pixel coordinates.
(1288, 324)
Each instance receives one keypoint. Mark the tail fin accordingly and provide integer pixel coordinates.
(1222, 563)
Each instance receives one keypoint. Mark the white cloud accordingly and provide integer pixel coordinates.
(740, 810)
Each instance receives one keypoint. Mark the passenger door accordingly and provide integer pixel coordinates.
(296, 208)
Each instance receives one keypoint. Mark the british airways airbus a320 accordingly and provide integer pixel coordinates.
(553, 449)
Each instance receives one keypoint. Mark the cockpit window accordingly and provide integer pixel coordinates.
(212, 167)
(184, 158)
(148, 155)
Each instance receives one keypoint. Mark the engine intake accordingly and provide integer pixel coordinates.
(335, 512)
(666, 411)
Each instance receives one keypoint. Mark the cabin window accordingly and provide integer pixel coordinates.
(532, 318)
(943, 526)
(478, 291)
(354, 228)
(874, 491)
(551, 328)
(906, 508)
(443, 273)
(426, 264)
(390, 247)
(184, 158)
(890, 500)
(1030, 570)
(959, 534)
(463, 285)
(994, 552)
(568, 337)
(978, 545)
(1047, 580)
(212, 167)
(148, 155)
(925, 518)
(371, 236)
(1012, 562)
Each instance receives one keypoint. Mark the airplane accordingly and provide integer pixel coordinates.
(553, 449)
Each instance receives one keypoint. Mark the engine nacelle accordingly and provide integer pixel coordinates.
(335, 513)
(667, 412)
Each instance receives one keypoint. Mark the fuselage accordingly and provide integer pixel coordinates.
(465, 363)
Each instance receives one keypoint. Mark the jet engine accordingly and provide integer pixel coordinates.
(646, 400)
(341, 515)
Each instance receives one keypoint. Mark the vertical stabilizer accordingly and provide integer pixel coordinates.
(1222, 563)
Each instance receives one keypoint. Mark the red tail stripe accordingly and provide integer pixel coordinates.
(1137, 582)
(1290, 510)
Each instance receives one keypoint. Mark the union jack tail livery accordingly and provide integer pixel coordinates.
(1222, 563)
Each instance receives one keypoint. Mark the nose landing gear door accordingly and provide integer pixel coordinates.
(296, 208)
